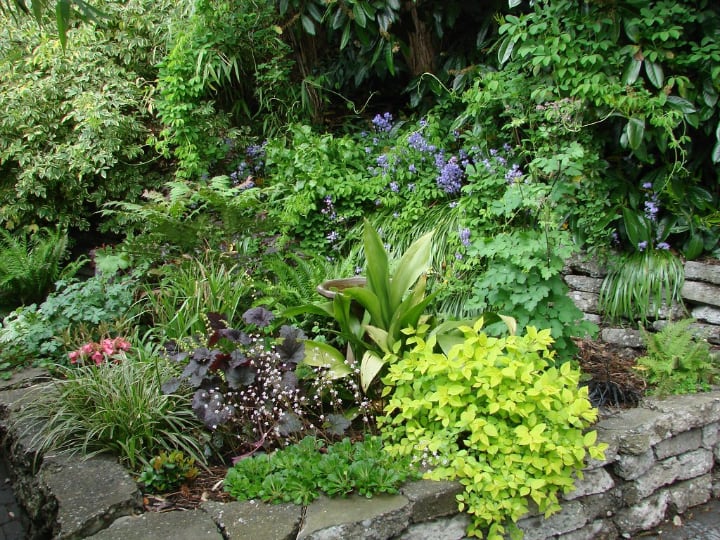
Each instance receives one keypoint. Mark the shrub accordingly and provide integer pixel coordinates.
(496, 416)
(74, 131)
(115, 408)
(677, 362)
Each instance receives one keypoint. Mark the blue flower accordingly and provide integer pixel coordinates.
(383, 123)
(394, 187)
(412, 168)
(514, 174)
(450, 177)
(642, 245)
(333, 236)
(663, 245)
(465, 237)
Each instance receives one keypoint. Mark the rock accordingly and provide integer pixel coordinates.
(624, 337)
(594, 481)
(452, 528)
(709, 273)
(585, 301)
(706, 313)
(643, 516)
(188, 525)
(584, 283)
(690, 493)
(431, 500)
(85, 505)
(256, 520)
(679, 444)
(359, 518)
(582, 264)
(571, 517)
(702, 293)
(630, 467)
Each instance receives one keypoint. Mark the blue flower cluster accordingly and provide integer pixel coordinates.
(383, 123)
(450, 178)
(253, 164)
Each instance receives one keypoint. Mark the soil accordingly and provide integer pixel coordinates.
(608, 372)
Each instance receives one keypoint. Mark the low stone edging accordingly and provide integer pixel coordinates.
(660, 459)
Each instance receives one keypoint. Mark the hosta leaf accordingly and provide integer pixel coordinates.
(370, 366)
(635, 130)
(318, 354)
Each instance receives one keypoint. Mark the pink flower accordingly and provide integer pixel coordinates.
(98, 357)
(87, 348)
(74, 357)
(122, 344)
(108, 346)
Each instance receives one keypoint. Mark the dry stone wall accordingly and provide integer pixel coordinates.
(700, 296)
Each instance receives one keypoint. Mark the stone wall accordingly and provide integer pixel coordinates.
(663, 458)
(700, 295)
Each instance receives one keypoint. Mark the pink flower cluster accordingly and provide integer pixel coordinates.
(104, 351)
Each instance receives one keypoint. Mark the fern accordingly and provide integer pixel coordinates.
(677, 362)
(30, 264)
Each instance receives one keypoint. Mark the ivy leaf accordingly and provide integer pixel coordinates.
(654, 73)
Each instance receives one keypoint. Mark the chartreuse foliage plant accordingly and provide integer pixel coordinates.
(495, 414)
(677, 362)
(300, 473)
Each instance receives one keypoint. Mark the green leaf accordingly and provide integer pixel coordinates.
(693, 248)
(681, 104)
(654, 73)
(370, 366)
(514, 3)
(505, 50)
(308, 24)
(378, 278)
(359, 14)
(635, 130)
(345, 38)
(716, 153)
(62, 16)
(379, 336)
(632, 71)
(414, 262)
(318, 354)
(636, 227)
(368, 300)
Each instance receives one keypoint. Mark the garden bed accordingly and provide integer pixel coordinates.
(662, 458)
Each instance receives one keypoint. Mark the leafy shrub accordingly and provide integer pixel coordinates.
(677, 362)
(167, 471)
(494, 414)
(74, 131)
(30, 264)
(300, 472)
(228, 55)
(80, 311)
(115, 408)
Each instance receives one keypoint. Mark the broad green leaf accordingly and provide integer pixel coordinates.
(345, 38)
(368, 300)
(308, 24)
(398, 317)
(636, 227)
(710, 95)
(62, 17)
(693, 248)
(632, 71)
(681, 104)
(379, 336)
(635, 130)
(378, 277)
(716, 153)
(654, 74)
(359, 15)
(514, 3)
(505, 50)
(370, 366)
(324, 310)
(414, 262)
(318, 354)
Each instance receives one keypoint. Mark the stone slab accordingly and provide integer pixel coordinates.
(379, 518)
(431, 500)
(256, 520)
(188, 525)
(623, 337)
(694, 492)
(643, 516)
(698, 271)
(706, 314)
(585, 301)
(85, 503)
(571, 517)
(448, 528)
(581, 263)
(701, 293)
(679, 444)
(583, 283)
(594, 481)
